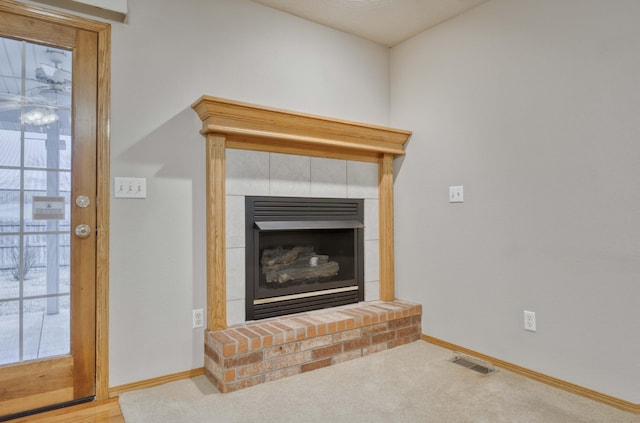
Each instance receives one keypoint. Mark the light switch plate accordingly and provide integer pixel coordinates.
(130, 187)
(456, 194)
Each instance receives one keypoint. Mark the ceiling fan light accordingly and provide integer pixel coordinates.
(49, 118)
(39, 117)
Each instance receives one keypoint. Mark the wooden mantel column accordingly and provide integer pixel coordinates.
(216, 235)
(385, 194)
(232, 124)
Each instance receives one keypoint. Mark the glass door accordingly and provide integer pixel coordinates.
(47, 218)
(35, 189)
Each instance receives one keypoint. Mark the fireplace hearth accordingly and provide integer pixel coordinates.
(302, 254)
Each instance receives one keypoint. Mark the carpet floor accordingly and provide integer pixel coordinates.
(412, 383)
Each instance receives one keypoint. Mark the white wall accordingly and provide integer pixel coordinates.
(534, 107)
(163, 59)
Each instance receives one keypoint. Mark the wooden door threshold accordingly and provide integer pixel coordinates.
(107, 411)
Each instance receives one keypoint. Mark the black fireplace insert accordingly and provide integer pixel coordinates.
(302, 254)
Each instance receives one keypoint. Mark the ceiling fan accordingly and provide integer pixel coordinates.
(45, 94)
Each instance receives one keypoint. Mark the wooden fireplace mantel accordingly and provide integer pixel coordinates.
(231, 124)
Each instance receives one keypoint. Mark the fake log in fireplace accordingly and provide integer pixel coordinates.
(302, 254)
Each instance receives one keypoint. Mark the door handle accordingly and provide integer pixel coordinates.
(83, 230)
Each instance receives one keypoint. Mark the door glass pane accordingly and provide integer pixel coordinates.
(10, 147)
(35, 193)
(9, 332)
(9, 200)
(9, 267)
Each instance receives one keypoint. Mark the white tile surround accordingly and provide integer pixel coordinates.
(260, 173)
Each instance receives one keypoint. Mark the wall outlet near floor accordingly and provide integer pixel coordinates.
(530, 320)
(198, 318)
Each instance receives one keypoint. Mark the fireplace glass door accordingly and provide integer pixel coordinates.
(303, 255)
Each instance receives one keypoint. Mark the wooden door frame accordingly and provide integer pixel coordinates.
(103, 33)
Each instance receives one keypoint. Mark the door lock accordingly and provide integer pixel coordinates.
(82, 201)
(83, 231)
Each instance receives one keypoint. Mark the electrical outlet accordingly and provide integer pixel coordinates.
(530, 321)
(198, 318)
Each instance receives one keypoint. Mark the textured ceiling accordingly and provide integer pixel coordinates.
(387, 22)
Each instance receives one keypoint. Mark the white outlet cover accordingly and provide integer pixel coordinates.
(530, 321)
(198, 318)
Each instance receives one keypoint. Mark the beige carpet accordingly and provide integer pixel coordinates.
(411, 383)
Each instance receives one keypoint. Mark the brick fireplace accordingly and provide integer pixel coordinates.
(267, 350)
(249, 351)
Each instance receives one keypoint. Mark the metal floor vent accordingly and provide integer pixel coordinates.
(473, 364)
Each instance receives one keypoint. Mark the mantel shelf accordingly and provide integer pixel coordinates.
(231, 124)
(251, 127)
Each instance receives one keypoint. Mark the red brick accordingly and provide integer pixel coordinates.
(229, 350)
(277, 333)
(242, 342)
(308, 335)
(280, 350)
(215, 369)
(356, 316)
(304, 322)
(318, 341)
(374, 348)
(408, 331)
(229, 375)
(311, 332)
(279, 374)
(366, 320)
(255, 341)
(216, 382)
(244, 383)
(374, 329)
(355, 344)
(267, 337)
(326, 351)
(316, 365)
(294, 359)
(212, 354)
(228, 343)
(399, 323)
(341, 358)
(255, 369)
(288, 332)
(244, 359)
(347, 335)
(222, 337)
(301, 333)
(397, 342)
(382, 337)
(321, 329)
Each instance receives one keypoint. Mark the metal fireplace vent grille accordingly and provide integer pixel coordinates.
(311, 208)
